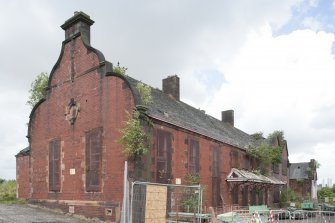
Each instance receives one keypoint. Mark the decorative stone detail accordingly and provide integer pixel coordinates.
(72, 111)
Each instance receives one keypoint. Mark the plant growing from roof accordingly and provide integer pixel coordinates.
(257, 135)
(268, 154)
(145, 93)
(37, 90)
(277, 135)
(120, 70)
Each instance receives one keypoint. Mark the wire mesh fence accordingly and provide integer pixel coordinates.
(153, 202)
(276, 216)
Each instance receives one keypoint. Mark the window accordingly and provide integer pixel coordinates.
(245, 196)
(193, 157)
(234, 195)
(54, 165)
(93, 159)
(216, 176)
(234, 158)
(284, 167)
(163, 156)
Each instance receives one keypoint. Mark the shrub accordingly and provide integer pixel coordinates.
(8, 190)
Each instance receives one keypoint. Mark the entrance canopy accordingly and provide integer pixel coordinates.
(243, 176)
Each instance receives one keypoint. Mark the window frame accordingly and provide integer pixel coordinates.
(54, 149)
(93, 155)
(193, 156)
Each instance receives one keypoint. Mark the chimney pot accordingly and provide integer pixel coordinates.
(171, 87)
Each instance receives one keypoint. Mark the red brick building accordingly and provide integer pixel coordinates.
(302, 179)
(75, 163)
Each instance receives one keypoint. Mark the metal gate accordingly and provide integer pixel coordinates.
(161, 203)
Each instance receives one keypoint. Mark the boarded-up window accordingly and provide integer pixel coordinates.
(245, 196)
(276, 195)
(193, 161)
(253, 196)
(216, 176)
(234, 159)
(93, 159)
(284, 167)
(54, 165)
(164, 154)
(234, 195)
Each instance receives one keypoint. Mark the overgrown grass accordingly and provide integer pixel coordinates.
(8, 192)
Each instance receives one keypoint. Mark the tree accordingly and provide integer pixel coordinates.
(37, 90)
(325, 192)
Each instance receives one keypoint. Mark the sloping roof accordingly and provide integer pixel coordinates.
(237, 175)
(24, 152)
(299, 171)
(180, 114)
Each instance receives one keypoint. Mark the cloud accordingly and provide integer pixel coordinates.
(224, 52)
(284, 83)
(312, 23)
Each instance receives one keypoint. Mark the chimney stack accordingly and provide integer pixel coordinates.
(228, 117)
(171, 87)
(78, 23)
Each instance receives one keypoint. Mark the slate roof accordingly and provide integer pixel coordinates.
(180, 114)
(24, 152)
(299, 171)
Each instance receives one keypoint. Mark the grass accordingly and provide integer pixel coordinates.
(8, 192)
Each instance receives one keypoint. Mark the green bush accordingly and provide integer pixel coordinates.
(8, 190)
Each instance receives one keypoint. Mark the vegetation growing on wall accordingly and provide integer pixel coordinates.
(37, 90)
(145, 93)
(268, 154)
(135, 136)
(276, 135)
(120, 70)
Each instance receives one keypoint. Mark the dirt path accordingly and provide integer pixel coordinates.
(13, 213)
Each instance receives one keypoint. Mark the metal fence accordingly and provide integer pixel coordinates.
(155, 203)
(277, 216)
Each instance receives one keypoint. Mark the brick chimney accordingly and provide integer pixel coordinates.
(228, 117)
(78, 23)
(171, 87)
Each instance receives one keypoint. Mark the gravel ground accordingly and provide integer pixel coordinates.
(23, 213)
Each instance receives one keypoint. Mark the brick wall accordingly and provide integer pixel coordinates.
(102, 102)
(22, 177)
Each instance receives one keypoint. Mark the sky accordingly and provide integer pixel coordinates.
(270, 61)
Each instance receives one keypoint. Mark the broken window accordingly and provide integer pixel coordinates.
(216, 176)
(163, 156)
(193, 157)
(54, 165)
(93, 159)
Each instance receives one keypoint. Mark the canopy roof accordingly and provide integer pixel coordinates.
(244, 176)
